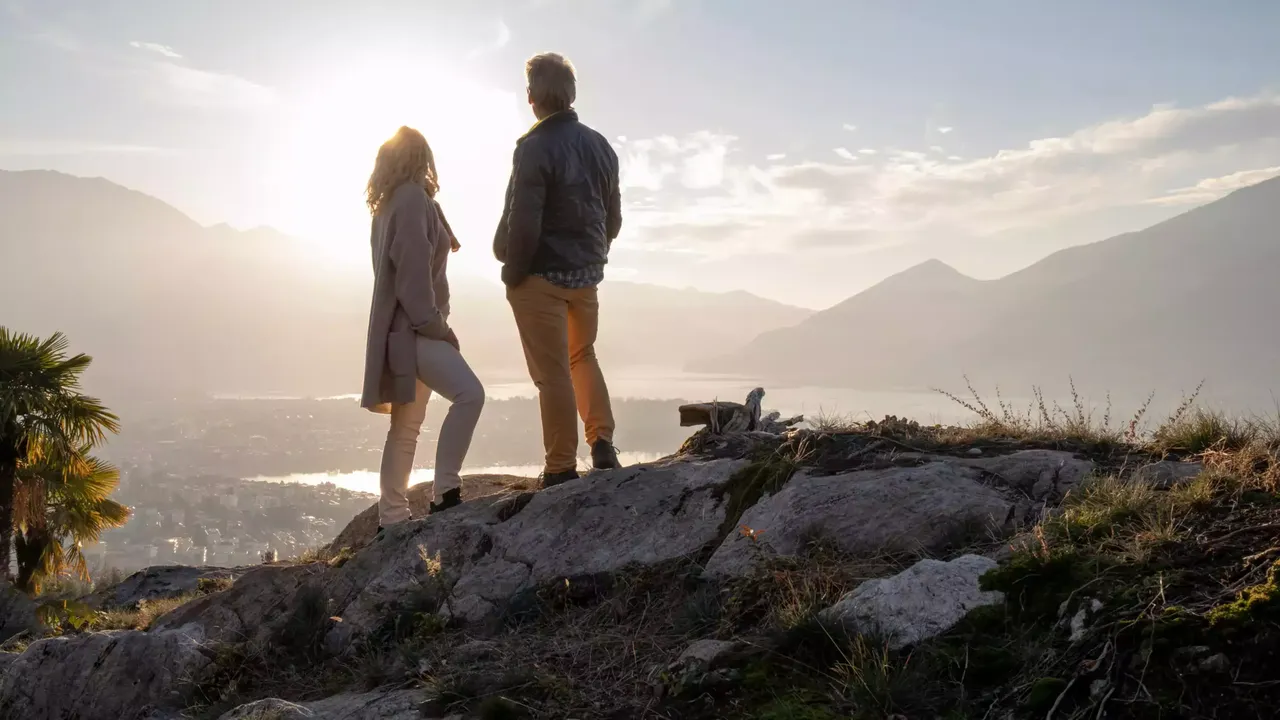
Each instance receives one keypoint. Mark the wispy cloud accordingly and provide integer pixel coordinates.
(697, 161)
(157, 48)
(1211, 189)
(501, 40)
(181, 84)
(945, 129)
(849, 127)
(776, 156)
(902, 196)
(844, 153)
(210, 90)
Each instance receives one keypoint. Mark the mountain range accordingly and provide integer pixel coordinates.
(1191, 299)
(167, 306)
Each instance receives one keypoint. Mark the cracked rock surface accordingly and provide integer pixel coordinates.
(867, 512)
(121, 675)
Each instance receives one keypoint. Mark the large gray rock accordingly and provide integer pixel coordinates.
(1042, 475)
(260, 601)
(123, 675)
(364, 527)
(644, 515)
(17, 613)
(1166, 474)
(378, 705)
(157, 583)
(602, 523)
(469, 562)
(916, 509)
(921, 602)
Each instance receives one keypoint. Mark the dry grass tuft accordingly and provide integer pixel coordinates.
(1048, 421)
(143, 616)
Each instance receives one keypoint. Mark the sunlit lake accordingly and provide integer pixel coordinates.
(366, 481)
(666, 384)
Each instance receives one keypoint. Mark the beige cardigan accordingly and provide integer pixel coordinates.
(411, 247)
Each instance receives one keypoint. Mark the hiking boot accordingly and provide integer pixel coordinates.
(451, 498)
(381, 528)
(604, 456)
(557, 478)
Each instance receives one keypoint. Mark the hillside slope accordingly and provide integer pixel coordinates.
(1186, 300)
(1001, 570)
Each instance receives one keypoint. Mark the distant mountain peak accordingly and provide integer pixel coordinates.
(933, 265)
(932, 273)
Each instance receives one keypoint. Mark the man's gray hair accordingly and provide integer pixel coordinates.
(553, 85)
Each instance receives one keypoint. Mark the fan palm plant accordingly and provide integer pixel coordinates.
(61, 506)
(43, 416)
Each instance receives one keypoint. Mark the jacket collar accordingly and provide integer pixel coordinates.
(555, 118)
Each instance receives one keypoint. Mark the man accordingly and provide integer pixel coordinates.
(563, 210)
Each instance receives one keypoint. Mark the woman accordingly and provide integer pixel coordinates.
(411, 350)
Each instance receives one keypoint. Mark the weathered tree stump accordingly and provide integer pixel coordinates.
(733, 429)
(724, 417)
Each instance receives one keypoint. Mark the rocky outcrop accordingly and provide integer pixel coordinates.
(917, 509)
(160, 582)
(1039, 475)
(495, 556)
(362, 529)
(1166, 474)
(482, 556)
(255, 607)
(470, 562)
(122, 675)
(17, 613)
(919, 603)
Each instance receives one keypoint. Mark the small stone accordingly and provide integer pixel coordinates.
(707, 653)
(974, 452)
(1079, 622)
(921, 602)
(1216, 664)
(474, 651)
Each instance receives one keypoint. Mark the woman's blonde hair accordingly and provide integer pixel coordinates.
(405, 158)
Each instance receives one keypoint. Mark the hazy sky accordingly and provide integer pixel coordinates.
(801, 150)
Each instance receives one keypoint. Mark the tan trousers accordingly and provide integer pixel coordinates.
(441, 369)
(558, 331)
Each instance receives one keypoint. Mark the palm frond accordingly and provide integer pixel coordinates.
(85, 418)
(61, 499)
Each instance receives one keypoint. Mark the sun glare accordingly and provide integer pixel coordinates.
(333, 134)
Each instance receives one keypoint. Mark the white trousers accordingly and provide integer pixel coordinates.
(442, 370)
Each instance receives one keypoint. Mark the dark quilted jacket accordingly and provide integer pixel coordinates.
(563, 207)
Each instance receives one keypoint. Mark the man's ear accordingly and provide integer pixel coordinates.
(529, 95)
